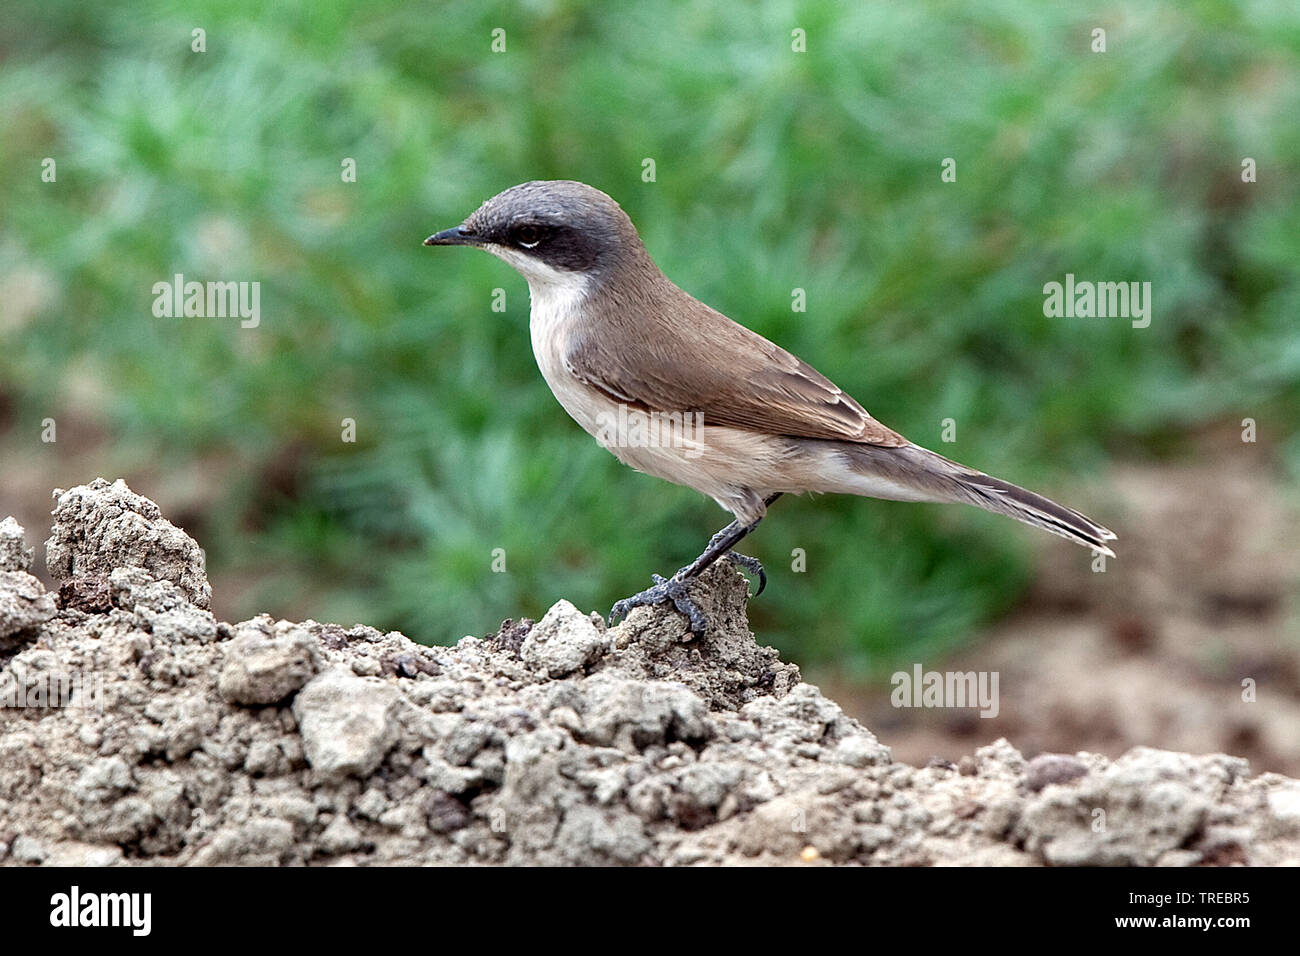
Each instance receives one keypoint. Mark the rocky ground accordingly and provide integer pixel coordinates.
(136, 728)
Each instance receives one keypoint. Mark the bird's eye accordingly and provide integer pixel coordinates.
(528, 235)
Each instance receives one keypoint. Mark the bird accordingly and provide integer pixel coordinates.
(677, 390)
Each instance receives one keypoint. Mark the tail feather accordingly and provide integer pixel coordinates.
(994, 494)
(944, 480)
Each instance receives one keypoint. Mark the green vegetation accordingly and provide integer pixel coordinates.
(775, 170)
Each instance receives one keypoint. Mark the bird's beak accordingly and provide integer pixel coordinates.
(452, 237)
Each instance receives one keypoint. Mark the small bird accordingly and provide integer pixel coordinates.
(678, 390)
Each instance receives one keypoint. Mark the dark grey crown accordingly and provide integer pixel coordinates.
(568, 225)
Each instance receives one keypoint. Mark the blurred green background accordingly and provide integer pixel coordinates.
(775, 170)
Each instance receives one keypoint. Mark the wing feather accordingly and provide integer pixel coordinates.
(735, 377)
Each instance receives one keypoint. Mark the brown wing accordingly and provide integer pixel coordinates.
(732, 376)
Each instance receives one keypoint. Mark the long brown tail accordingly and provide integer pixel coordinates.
(940, 479)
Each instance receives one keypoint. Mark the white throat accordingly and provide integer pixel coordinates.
(557, 295)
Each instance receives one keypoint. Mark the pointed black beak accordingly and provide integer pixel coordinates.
(452, 237)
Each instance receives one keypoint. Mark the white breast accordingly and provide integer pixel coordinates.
(710, 459)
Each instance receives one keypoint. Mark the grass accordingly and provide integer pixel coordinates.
(774, 171)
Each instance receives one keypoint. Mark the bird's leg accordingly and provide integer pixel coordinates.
(674, 588)
(720, 544)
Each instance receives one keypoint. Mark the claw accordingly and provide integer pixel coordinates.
(752, 565)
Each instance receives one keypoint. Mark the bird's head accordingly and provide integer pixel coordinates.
(550, 231)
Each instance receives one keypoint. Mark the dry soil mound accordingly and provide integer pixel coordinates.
(136, 728)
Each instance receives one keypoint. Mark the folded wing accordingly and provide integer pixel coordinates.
(733, 377)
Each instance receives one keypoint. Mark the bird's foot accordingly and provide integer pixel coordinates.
(674, 589)
(664, 590)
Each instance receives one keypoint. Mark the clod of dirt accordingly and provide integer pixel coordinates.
(1053, 768)
(264, 666)
(24, 605)
(99, 527)
(348, 723)
(14, 553)
(138, 729)
(563, 641)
